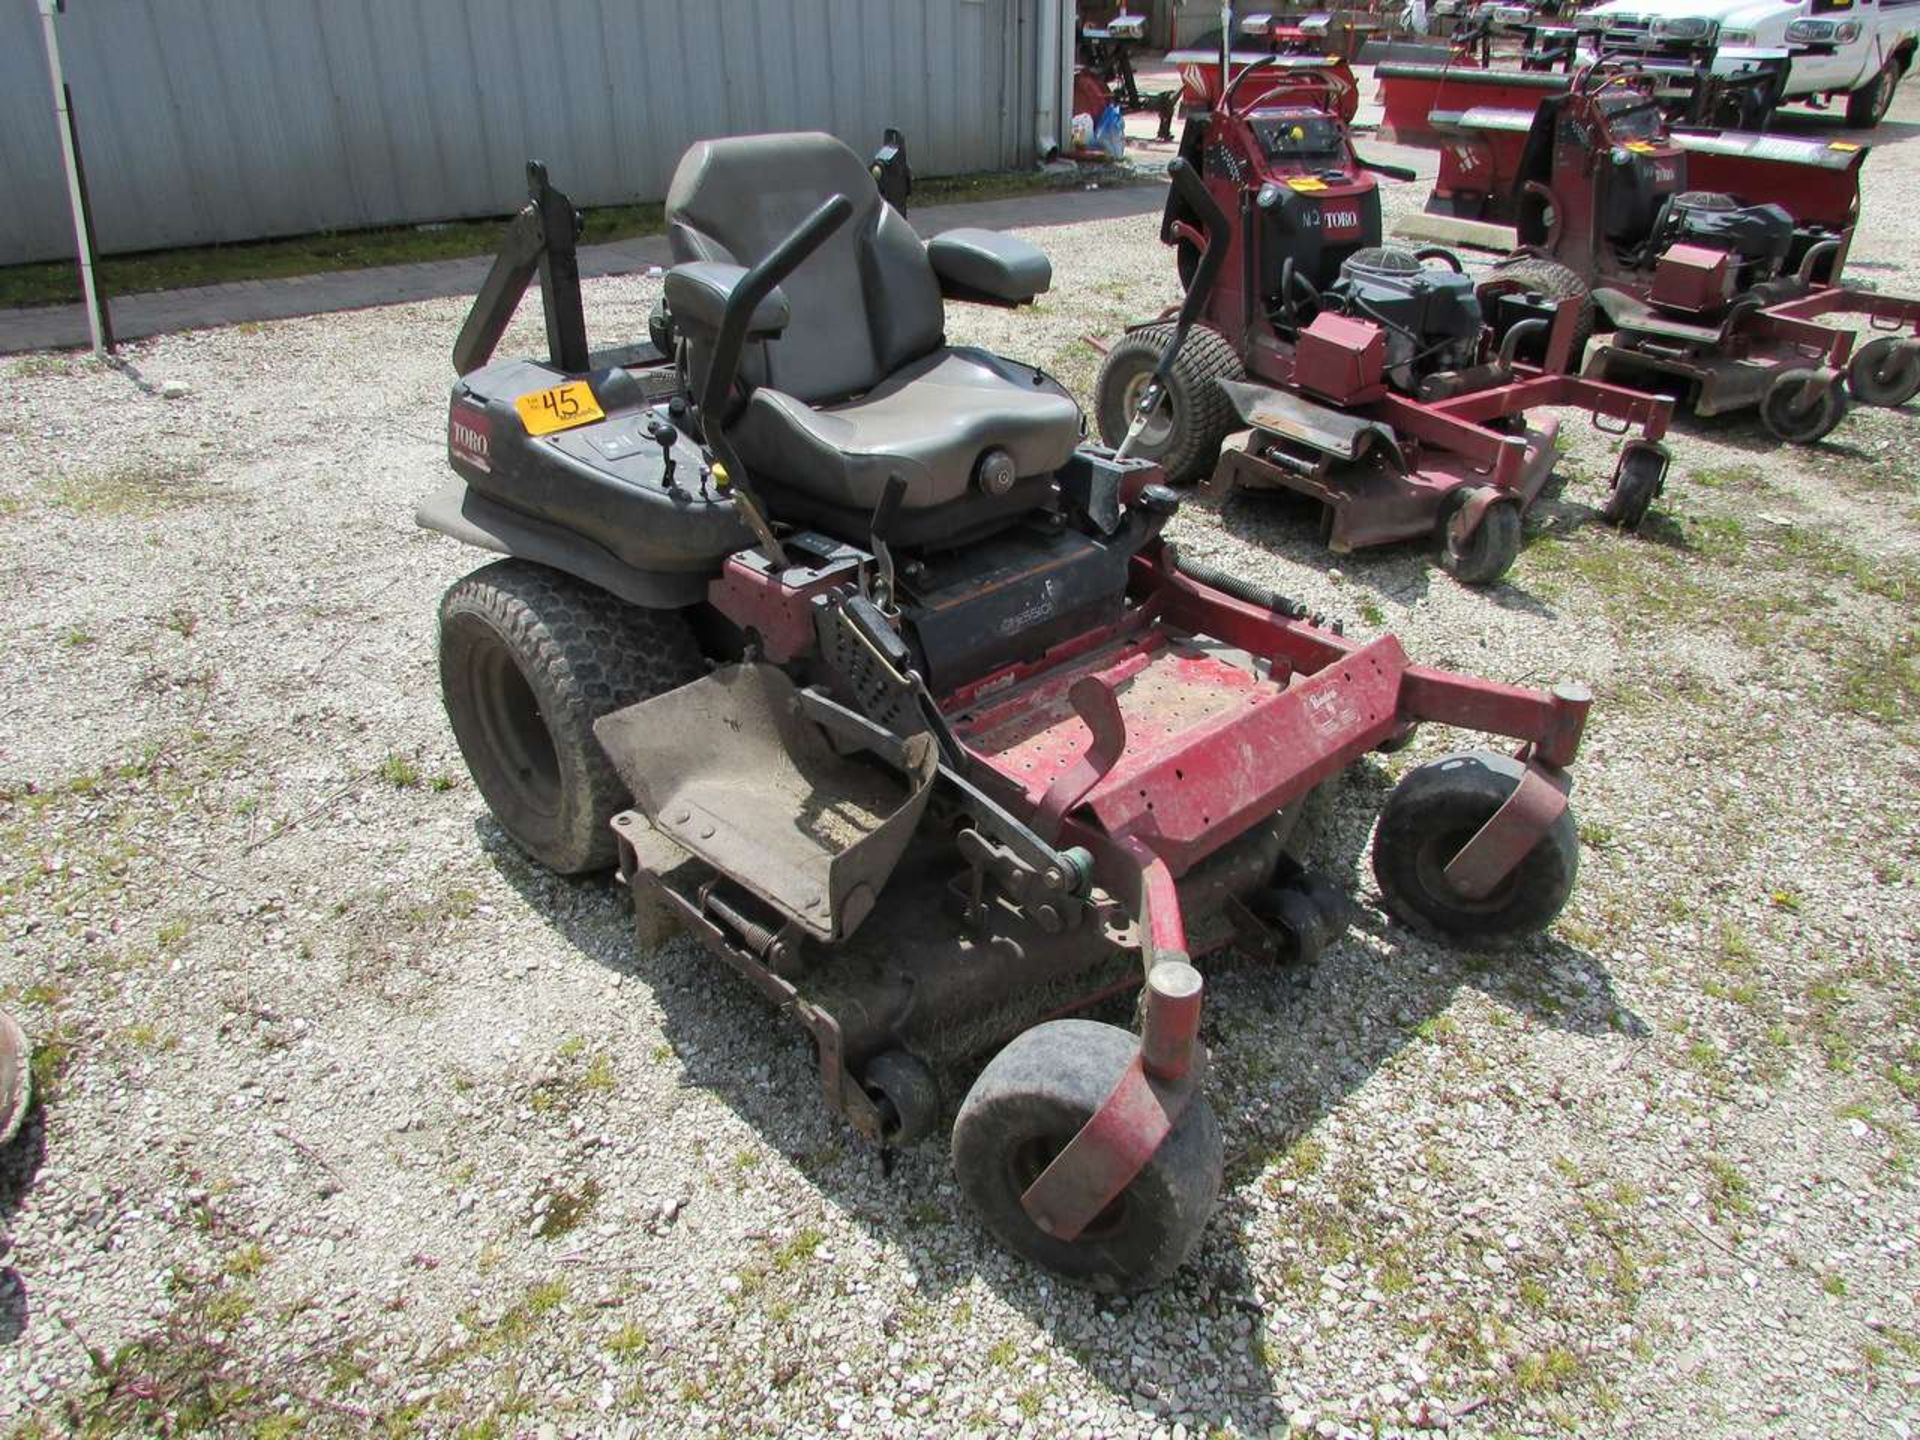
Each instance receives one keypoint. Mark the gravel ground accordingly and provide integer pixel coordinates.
(359, 1120)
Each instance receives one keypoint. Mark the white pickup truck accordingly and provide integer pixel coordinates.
(1858, 49)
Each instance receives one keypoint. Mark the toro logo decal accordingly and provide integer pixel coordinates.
(470, 435)
(1338, 224)
(1664, 174)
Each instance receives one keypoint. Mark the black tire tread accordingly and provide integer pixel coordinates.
(1462, 791)
(1204, 359)
(1053, 1076)
(585, 653)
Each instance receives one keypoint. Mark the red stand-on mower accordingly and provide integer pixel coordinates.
(1712, 256)
(1379, 382)
(868, 671)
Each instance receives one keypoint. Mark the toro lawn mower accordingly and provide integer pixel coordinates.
(1375, 381)
(1712, 256)
(864, 668)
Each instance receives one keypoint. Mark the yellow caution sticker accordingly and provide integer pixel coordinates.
(559, 408)
(1846, 146)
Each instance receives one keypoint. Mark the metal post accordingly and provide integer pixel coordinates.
(76, 192)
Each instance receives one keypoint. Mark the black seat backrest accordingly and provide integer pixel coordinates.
(863, 305)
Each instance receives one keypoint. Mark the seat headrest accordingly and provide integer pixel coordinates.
(864, 304)
(749, 191)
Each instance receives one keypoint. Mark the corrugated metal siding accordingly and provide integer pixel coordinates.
(224, 120)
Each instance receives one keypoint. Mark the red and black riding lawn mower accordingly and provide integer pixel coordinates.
(1712, 256)
(1379, 382)
(871, 673)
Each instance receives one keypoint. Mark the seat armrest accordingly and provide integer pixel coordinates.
(697, 292)
(990, 266)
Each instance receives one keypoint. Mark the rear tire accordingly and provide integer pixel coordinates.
(1185, 437)
(1032, 1098)
(1537, 275)
(529, 659)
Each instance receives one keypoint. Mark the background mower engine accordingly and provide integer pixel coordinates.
(1381, 382)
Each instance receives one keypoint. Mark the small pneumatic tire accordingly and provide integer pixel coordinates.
(1489, 552)
(1885, 371)
(1184, 438)
(1799, 409)
(1432, 813)
(1032, 1099)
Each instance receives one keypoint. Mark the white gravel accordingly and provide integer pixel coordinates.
(362, 1120)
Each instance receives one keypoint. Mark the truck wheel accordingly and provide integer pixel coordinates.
(1885, 371)
(1800, 410)
(1032, 1098)
(1489, 552)
(1432, 813)
(529, 659)
(1868, 106)
(1184, 438)
(1534, 274)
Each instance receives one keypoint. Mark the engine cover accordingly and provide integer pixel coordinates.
(1431, 317)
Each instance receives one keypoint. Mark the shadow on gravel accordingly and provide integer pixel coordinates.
(1288, 526)
(20, 1162)
(1289, 1046)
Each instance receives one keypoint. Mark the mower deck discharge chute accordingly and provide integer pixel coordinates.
(1714, 258)
(1381, 382)
(865, 669)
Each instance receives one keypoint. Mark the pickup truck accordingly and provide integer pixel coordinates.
(1857, 49)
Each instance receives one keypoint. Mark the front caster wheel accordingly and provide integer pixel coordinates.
(1431, 815)
(1032, 1098)
(907, 1094)
(1489, 552)
(1800, 409)
(529, 659)
(1640, 479)
(1885, 371)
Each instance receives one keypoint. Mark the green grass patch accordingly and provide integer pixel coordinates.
(144, 487)
(57, 282)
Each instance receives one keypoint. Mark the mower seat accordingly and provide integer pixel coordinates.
(860, 385)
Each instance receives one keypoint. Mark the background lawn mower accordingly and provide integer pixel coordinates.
(867, 670)
(1378, 382)
(1712, 256)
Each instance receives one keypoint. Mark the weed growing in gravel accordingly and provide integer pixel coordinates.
(1727, 1189)
(558, 1210)
(135, 488)
(400, 772)
(798, 1250)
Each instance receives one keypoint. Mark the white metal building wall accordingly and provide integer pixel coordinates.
(227, 120)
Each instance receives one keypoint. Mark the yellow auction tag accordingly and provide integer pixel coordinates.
(1306, 184)
(560, 408)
